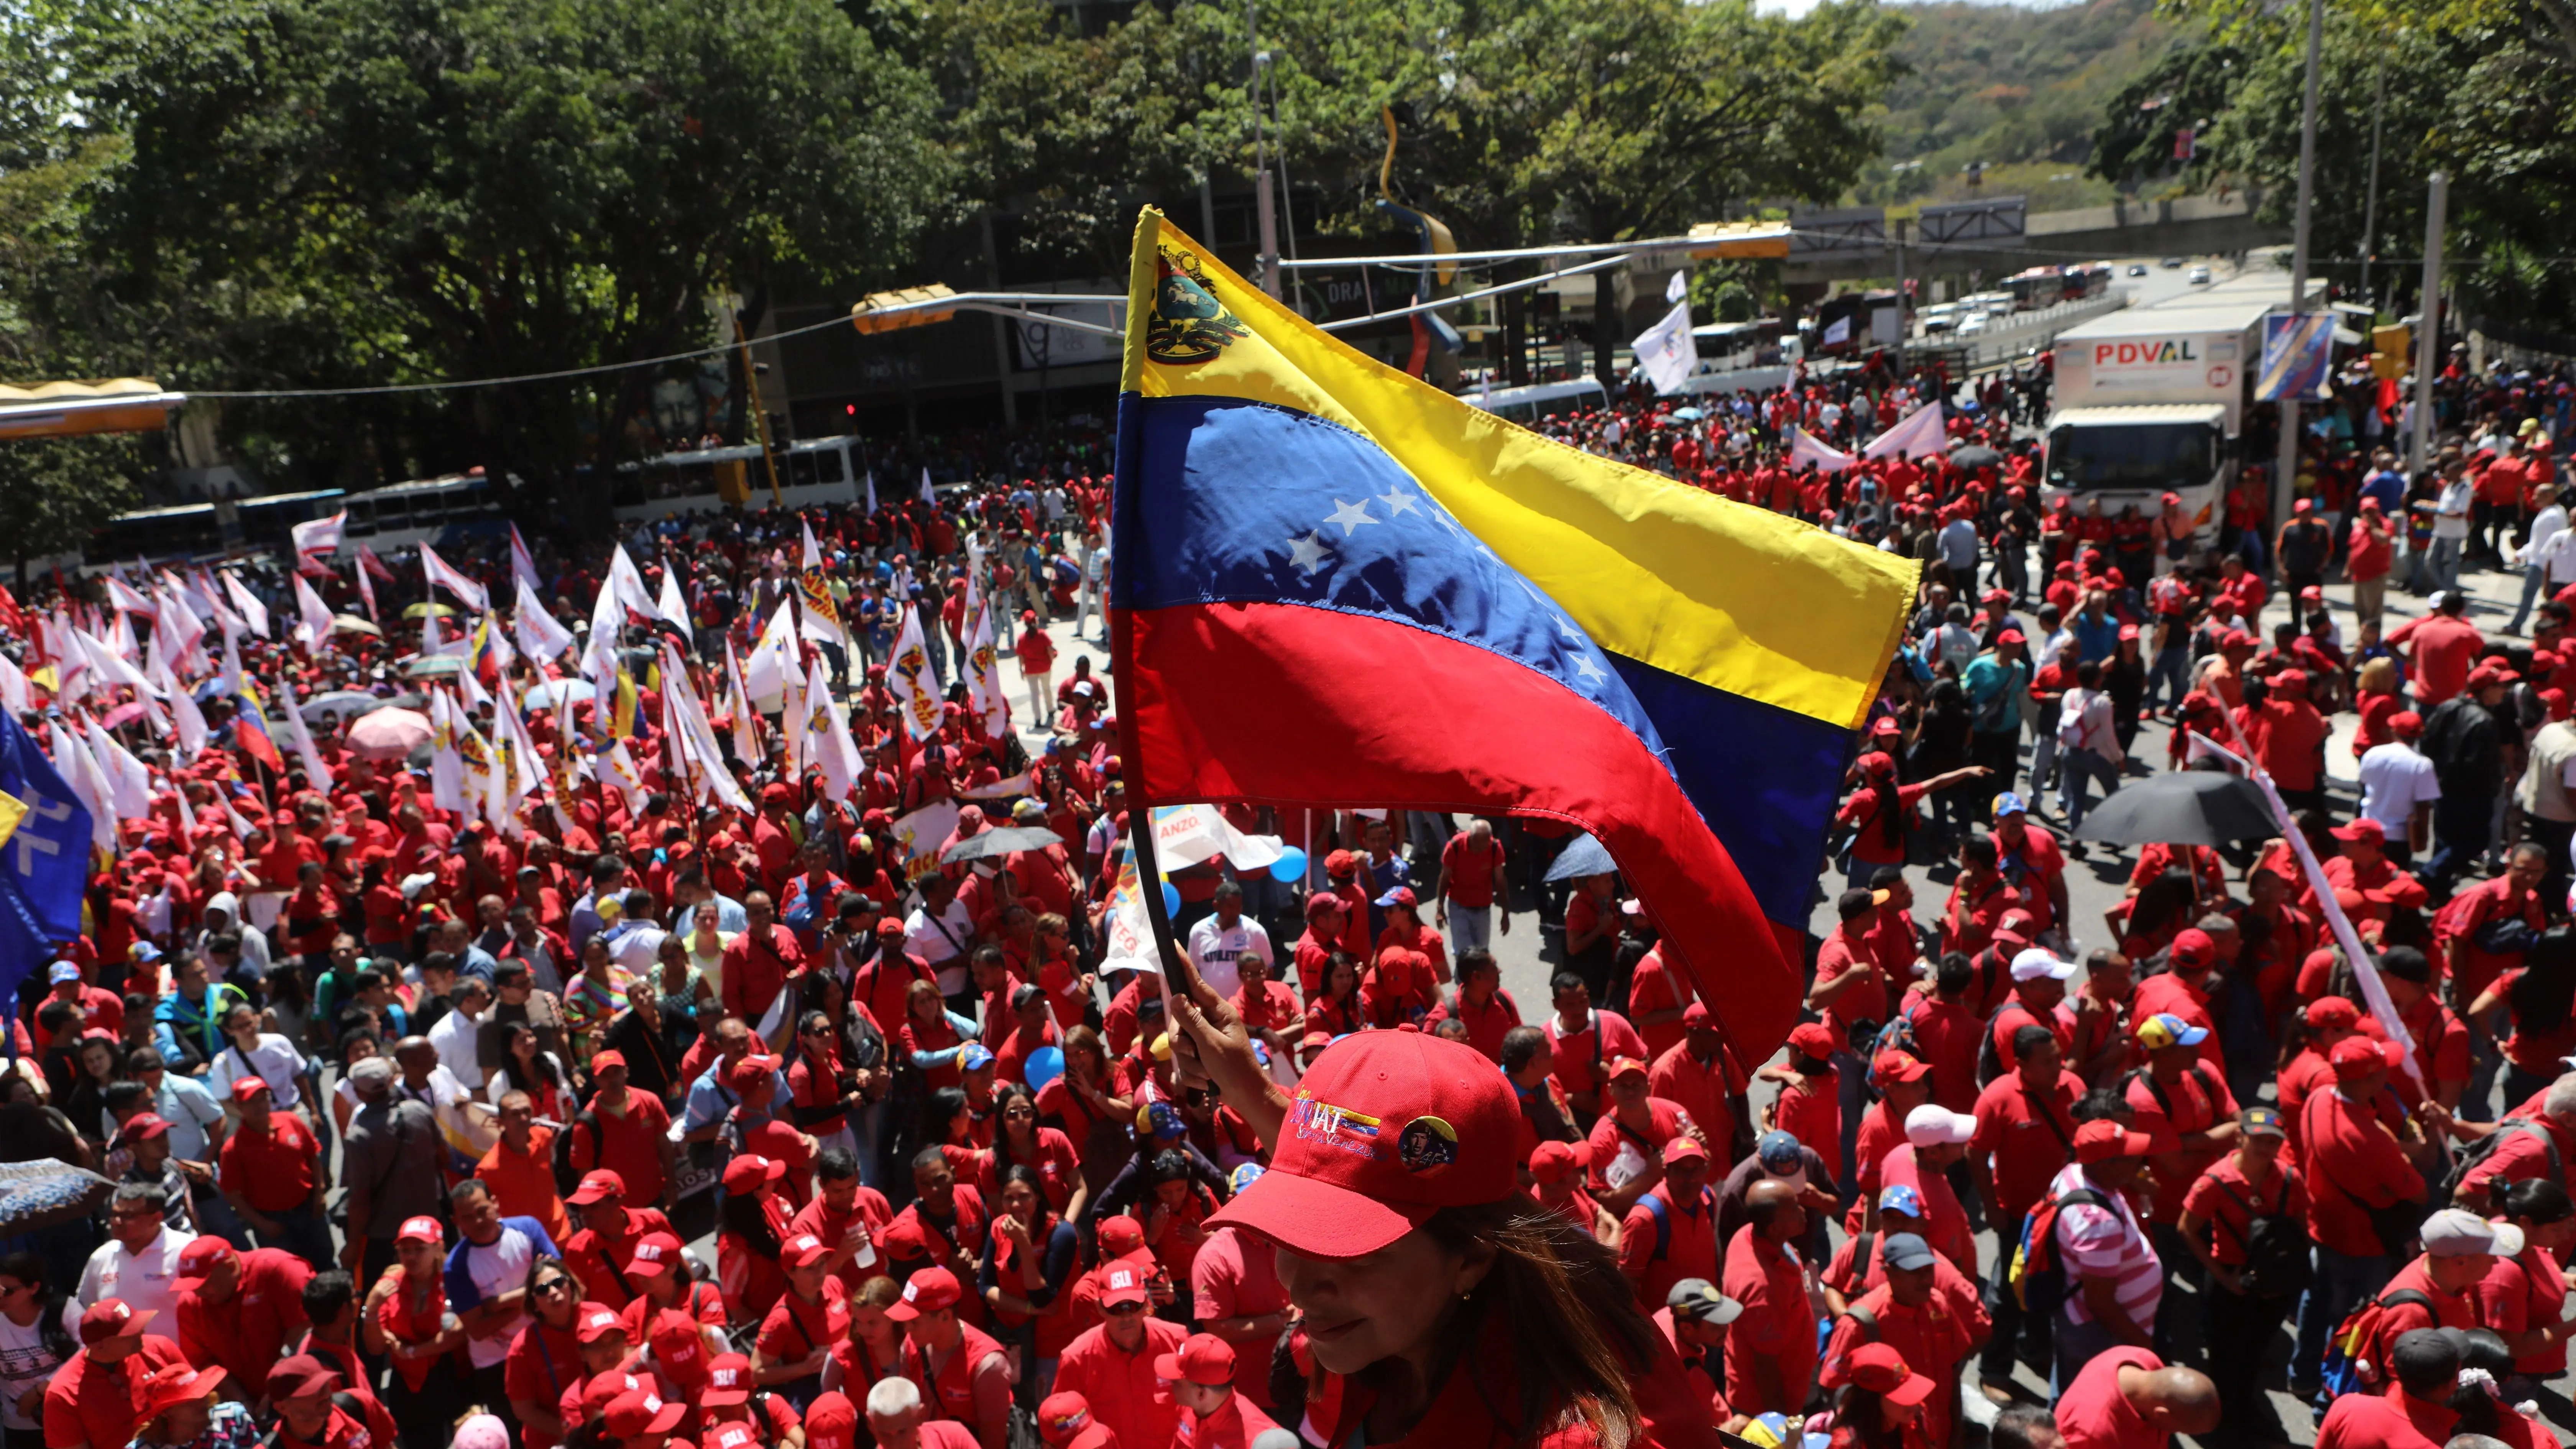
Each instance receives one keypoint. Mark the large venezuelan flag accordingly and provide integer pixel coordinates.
(1335, 585)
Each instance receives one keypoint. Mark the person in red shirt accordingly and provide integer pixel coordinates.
(1903, 1083)
(2184, 1108)
(2443, 644)
(2523, 1298)
(2415, 1410)
(272, 1175)
(2344, 1142)
(1771, 1346)
(1480, 1003)
(2460, 1249)
(1628, 1139)
(2218, 1217)
(2293, 741)
(1809, 1106)
(1037, 665)
(758, 962)
(1907, 1319)
(1471, 883)
(609, 1233)
(96, 1398)
(1670, 1232)
(2363, 866)
(2025, 1136)
(1849, 985)
(1582, 1040)
(1112, 1364)
(1979, 899)
(1946, 1033)
(1214, 1414)
(2183, 991)
(239, 1309)
(626, 1132)
(1656, 997)
(2032, 860)
(2441, 1041)
(2126, 1398)
(1556, 1180)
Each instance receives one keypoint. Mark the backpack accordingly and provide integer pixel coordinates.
(2448, 1194)
(2349, 1364)
(568, 1177)
(2038, 1275)
(2276, 1248)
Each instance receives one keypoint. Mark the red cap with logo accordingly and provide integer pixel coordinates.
(1119, 1283)
(201, 1255)
(597, 1184)
(641, 1412)
(656, 1253)
(803, 1250)
(111, 1318)
(931, 1290)
(831, 1421)
(1204, 1359)
(2356, 1057)
(1387, 1128)
(1121, 1234)
(595, 1321)
(728, 1381)
(1062, 1416)
(606, 1389)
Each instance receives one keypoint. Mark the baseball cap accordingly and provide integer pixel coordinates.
(1901, 1197)
(201, 1255)
(144, 1125)
(1622, 1066)
(1882, 1370)
(1933, 1125)
(1123, 1283)
(1162, 1119)
(2459, 1233)
(655, 1253)
(2358, 1056)
(2363, 828)
(2036, 962)
(1812, 1039)
(1699, 1298)
(173, 1385)
(301, 1377)
(2422, 1354)
(1551, 1161)
(1893, 1066)
(728, 1381)
(422, 1229)
(976, 1058)
(2008, 803)
(1779, 1149)
(1387, 1128)
(751, 1172)
(1683, 1148)
(1400, 896)
(1121, 1234)
(111, 1318)
(597, 1184)
(832, 1422)
(1907, 1251)
(2406, 723)
(2330, 1013)
(2164, 1029)
(2193, 946)
(2261, 1122)
(2016, 925)
(930, 1291)
(751, 1073)
(803, 1250)
(1062, 1416)
(601, 1061)
(595, 1321)
(2103, 1140)
(1204, 1358)
(249, 1087)
(641, 1411)
(63, 971)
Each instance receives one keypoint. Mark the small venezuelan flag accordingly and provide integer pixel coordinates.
(1462, 615)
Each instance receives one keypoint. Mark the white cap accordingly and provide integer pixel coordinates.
(2459, 1233)
(1932, 1125)
(2035, 963)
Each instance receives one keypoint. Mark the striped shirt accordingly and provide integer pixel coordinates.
(2106, 1242)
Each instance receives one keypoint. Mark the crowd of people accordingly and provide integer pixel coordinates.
(655, 1054)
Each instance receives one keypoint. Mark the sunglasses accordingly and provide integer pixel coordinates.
(550, 1286)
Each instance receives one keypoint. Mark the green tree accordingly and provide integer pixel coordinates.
(325, 191)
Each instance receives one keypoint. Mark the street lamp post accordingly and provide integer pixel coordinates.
(2428, 327)
(2286, 473)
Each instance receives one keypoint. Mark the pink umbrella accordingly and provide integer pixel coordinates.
(388, 734)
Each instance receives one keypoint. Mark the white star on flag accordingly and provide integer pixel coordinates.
(1591, 672)
(1349, 515)
(1397, 503)
(1307, 552)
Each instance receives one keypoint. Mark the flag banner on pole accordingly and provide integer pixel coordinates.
(1805, 449)
(1680, 675)
(2298, 349)
(1666, 352)
(909, 679)
(321, 536)
(523, 565)
(821, 621)
(44, 861)
(1917, 435)
(441, 574)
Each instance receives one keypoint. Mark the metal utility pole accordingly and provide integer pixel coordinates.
(2370, 209)
(2428, 325)
(1901, 323)
(760, 413)
(2286, 473)
(1267, 215)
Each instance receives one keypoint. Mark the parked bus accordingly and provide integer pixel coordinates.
(225, 528)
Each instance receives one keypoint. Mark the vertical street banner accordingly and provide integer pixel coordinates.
(2298, 348)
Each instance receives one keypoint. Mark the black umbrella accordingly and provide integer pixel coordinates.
(1975, 455)
(43, 1193)
(2181, 807)
(1002, 840)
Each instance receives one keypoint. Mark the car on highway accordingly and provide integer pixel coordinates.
(2197, 275)
(2170, 263)
(2137, 269)
(1971, 325)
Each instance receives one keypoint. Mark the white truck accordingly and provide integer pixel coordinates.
(2151, 400)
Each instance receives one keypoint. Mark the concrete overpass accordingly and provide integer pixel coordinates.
(1854, 245)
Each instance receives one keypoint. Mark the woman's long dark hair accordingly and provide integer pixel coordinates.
(1865, 1414)
(1003, 1163)
(2545, 993)
(2162, 901)
(544, 1067)
(1021, 1172)
(1577, 1339)
(743, 1217)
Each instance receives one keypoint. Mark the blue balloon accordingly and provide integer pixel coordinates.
(1171, 899)
(1290, 867)
(1044, 1066)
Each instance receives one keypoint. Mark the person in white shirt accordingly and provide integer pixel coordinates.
(2088, 747)
(2548, 559)
(139, 1262)
(253, 1052)
(1095, 569)
(2398, 786)
(459, 1034)
(2451, 524)
(939, 931)
(1219, 941)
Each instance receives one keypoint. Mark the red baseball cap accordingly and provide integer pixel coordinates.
(2359, 1056)
(145, 1125)
(931, 1290)
(2102, 1140)
(1121, 1283)
(1893, 1066)
(831, 1421)
(2192, 946)
(641, 1412)
(1683, 1147)
(201, 1255)
(601, 1061)
(728, 1381)
(111, 1318)
(2332, 1013)
(606, 1389)
(1883, 1371)
(1622, 1066)
(422, 1229)
(1204, 1358)
(1812, 1039)
(249, 1087)
(597, 1184)
(655, 1253)
(1120, 1234)
(301, 1377)
(751, 1172)
(1697, 1015)
(1551, 1161)
(173, 1385)
(595, 1321)
(1062, 1416)
(1387, 1128)
(803, 1250)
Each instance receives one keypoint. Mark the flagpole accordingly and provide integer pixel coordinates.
(1140, 803)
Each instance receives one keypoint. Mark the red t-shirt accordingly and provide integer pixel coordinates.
(2027, 1134)
(2093, 1414)
(1467, 871)
(273, 1169)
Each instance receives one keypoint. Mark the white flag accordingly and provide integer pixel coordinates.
(1919, 434)
(16, 694)
(1666, 352)
(121, 596)
(110, 663)
(984, 693)
(813, 558)
(252, 610)
(746, 720)
(1804, 449)
(1838, 332)
(872, 490)
(827, 734)
(674, 608)
(628, 582)
(617, 766)
(1678, 288)
(176, 627)
(540, 638)
(366, 585)
(129, 785)
(190, 724)
(908, 678)
(301, 737)
(314, 624)
(700, 736)
(440, 575)
(72, 761)
(792, 716)
(771, 659)
(523, 565)
(929, 494)
(322, 535)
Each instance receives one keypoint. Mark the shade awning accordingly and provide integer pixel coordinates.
(71, 409)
